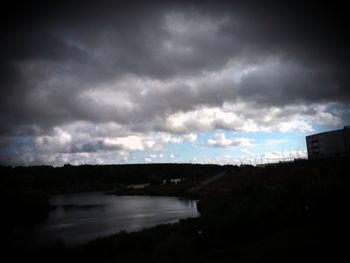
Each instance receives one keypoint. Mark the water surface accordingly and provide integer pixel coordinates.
(78, 218)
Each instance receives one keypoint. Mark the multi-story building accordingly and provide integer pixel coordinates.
(330, 144)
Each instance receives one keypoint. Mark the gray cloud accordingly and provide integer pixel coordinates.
(137, 65)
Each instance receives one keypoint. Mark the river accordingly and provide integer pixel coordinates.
(78, 218)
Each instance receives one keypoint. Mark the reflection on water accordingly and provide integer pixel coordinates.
(77, 218)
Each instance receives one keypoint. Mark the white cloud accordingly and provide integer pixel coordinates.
(203, 119)
(244, 117)
(145, 141)
(192, 137)
(220, 140)
(58, 141)
(244, 142)
(149, 144)
(302, 126)
(168, 138)
(132, 143)
(327, 118)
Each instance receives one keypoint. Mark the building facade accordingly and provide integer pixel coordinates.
(330, 144)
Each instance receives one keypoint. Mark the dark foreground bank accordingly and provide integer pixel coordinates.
(282, 213)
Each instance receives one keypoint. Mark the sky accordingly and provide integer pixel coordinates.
(224, 82)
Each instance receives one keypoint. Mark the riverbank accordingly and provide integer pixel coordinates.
(170, 189)
(185, 188)
(24, 191)
(281, 212)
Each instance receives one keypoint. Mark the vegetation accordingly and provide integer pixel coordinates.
(24, 191)
(68, 179)
(282, 212)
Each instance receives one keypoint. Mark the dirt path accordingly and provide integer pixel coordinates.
(206, 182)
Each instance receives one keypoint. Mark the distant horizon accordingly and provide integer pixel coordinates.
(159, 163)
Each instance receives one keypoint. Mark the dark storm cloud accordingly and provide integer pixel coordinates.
(52, 54)
(288, 83)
